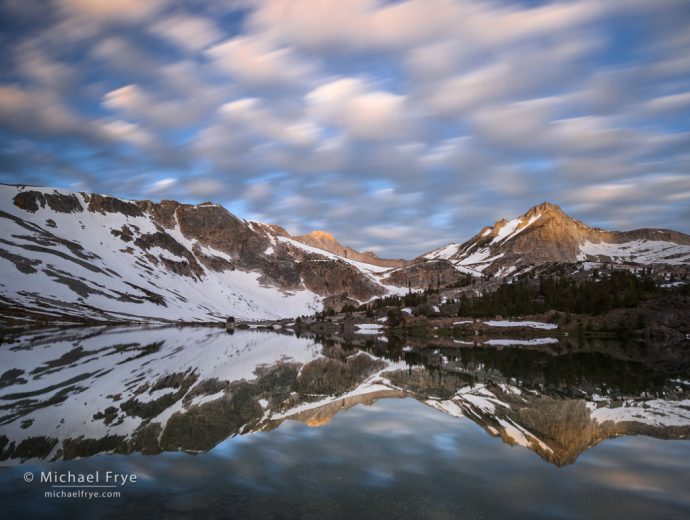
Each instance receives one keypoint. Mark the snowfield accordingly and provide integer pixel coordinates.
(641, 251)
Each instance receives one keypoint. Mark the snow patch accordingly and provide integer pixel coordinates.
(640, 251)
(368, 328)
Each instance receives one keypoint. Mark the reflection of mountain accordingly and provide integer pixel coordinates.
(69, 394)
(560, 429)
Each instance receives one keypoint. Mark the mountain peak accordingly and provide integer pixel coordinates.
(546, 234)
(327, 242)
(321, 235)
(545, 208)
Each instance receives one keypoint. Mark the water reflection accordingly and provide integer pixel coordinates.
(76, 393)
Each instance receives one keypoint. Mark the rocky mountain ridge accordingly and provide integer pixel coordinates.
(68, 256)
(87, 256)
(545, 234)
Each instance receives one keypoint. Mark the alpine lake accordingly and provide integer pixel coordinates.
(194, 422)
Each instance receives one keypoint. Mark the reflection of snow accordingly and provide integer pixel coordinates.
(535, 341)
(654, 412)
(119, 361)
(368, 328)
(531, 324)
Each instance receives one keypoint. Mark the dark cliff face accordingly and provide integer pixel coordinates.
(31, 200)
(425, 273)
(331, 278)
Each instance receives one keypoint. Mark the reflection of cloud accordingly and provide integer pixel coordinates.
(628, 481)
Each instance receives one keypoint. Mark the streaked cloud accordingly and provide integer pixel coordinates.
(191, 33)
(398, 126)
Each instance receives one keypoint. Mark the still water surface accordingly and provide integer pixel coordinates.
(263, 425)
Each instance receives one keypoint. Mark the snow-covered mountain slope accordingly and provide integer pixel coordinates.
(70, 255)
(77, 256)
(545, 235)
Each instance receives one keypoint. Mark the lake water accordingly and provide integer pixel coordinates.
(266, 425)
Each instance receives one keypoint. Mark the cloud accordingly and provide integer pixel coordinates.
(137, 103)
(162, 186)
(259, 193)
(191, 33)
(398, 125)
(618, 205)
(388, 232)
(37, 112)
(123, 57)
(670, 104)
(521, 73)
(112, 11)
(38, 68)
(368, 25)
(129, 98)
(256, 61)
(351, 106)
(246, 135)
(521, 125)
(252, 117)
(204, 188)
(129, 133)
(590, 135)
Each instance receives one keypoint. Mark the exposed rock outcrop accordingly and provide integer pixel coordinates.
(60, 202)
(425, 273)
(331, 278)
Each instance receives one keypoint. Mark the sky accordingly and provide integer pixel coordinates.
(398, 126)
